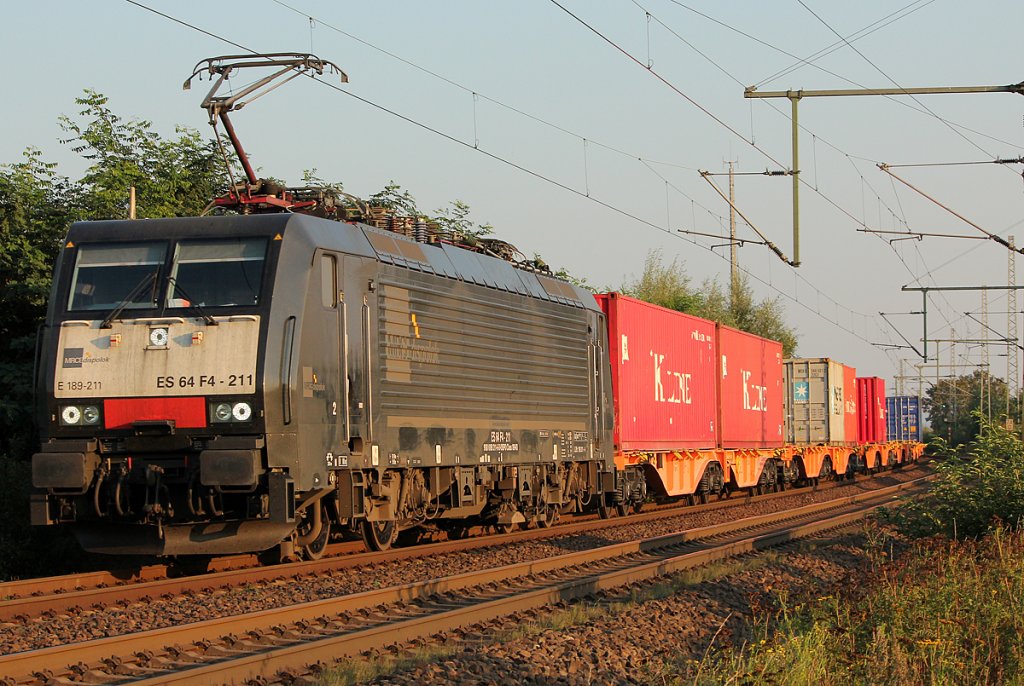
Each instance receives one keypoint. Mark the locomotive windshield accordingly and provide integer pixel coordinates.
(216, 273)
(106, 274)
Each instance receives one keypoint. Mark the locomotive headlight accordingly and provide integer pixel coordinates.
(241, 412)
(222, 412)
(230, 412)
(70, 415)
(158, 337)
(90, 414)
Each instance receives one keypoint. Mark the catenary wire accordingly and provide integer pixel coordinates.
(635, 60)
(554, 182)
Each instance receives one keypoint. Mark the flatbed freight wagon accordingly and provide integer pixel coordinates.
(698, 405)
(704, 409)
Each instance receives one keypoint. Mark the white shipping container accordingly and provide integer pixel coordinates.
(815, 402)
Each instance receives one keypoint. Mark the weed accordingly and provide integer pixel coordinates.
(950, 613)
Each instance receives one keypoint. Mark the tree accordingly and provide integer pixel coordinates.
(669, 287)
(36, 207)
(954, 405)
(764, 318)
(172, 177)
(176, 176)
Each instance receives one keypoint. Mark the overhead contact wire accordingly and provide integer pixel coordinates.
(532, 173)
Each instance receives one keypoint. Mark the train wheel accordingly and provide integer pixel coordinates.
(379, 535)
(457, 533)
(548, 518)
(622, 509)
(315, 550)
(638, 507)
(504, 528)
(603, 511)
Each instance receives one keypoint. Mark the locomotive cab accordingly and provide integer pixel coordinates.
(154, 413)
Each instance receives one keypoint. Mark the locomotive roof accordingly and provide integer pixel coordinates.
(356, 239)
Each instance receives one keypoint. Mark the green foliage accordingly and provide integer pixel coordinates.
(454, 221)
(172, 177)
(563, 274)
(952, 613)
(953, 404)
(765, 318)
(396, 199)
(668, 286)
(36, 208)
(975, 491)
(312, 179)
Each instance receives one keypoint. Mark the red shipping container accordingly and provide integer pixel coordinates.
(872, 424)
(663, 376)
(849, 403)
(750, 390)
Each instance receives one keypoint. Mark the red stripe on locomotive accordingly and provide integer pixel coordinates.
(187, 413)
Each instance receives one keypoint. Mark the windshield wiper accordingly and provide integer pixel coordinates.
(128, 299)
(192, 304)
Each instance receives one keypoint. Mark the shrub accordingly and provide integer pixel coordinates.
(977, 489)
(949, 613)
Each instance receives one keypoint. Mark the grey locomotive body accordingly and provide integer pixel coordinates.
(227, 384)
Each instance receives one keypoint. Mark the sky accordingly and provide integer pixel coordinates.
(578, 130)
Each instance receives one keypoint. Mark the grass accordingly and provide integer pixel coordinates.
(950, 613)
(357, 671)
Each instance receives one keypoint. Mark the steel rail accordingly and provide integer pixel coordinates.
(328, 650)
(22, 666)
(31, 597)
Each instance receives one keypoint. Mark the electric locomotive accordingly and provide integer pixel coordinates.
(224, 384)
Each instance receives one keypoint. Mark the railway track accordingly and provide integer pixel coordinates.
(261, 644)
(33, 597)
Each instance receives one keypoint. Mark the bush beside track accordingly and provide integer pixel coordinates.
(950, 610)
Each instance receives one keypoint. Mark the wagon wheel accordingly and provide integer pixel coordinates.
(379, 535)
(622, 509)
(504, 528)
(315, 549)
(603, 511)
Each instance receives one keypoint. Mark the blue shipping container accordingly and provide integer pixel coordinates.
(904, 417)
